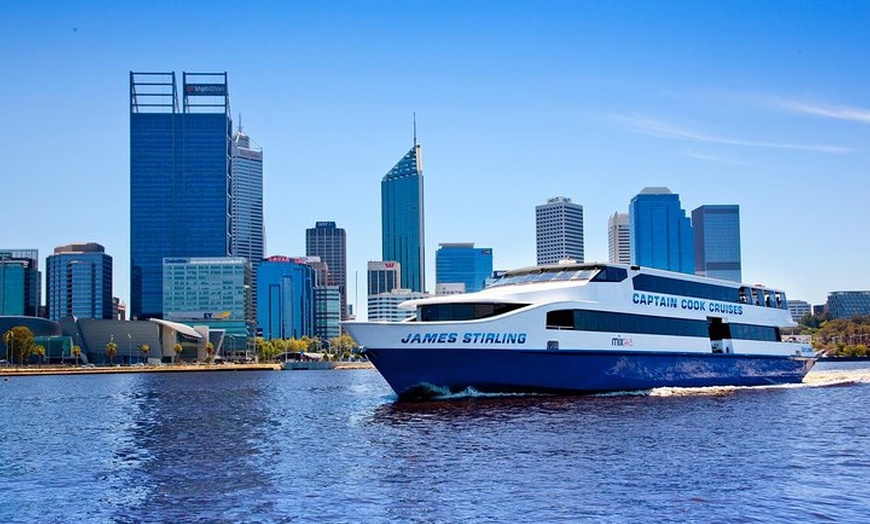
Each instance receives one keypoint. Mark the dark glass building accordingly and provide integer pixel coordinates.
(717, 241)
(329, 243)
(661, 234)
(402, 218)
(463, 263)
(79, 282)
(180, 183)
(20, 282)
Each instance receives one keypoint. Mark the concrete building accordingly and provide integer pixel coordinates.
(618, 239)
(385, 306)
(559, 231)
(798, 308)
(247, 195)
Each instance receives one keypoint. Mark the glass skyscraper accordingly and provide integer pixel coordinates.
(717, 241)
(285, 294)
(559, 231)
(79, 282)
(661, 234)
(403, 238)
(20, 282)
(329, 243)
(180, 180)
(247, 197)
(463, 263)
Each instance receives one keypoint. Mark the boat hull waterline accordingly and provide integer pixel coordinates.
(422, 372)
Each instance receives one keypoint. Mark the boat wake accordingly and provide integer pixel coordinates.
(815, 379)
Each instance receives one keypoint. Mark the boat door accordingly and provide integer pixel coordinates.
(720, 335)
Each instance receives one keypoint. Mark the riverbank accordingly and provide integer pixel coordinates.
(166, 368)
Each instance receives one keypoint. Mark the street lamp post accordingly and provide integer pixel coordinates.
(130, 349)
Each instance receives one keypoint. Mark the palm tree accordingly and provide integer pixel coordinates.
(209, 350)
(111, 350)
(178, 348)
(76, 352)
(145, 349)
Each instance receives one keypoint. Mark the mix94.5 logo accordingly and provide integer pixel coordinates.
(621, 342)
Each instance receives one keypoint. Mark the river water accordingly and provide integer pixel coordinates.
(335, 446)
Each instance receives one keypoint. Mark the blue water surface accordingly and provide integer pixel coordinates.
(336, 446)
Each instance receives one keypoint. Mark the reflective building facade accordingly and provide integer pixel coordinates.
(661, 233)
(79, 282)
(285, 298)
(717, 241)
(403, 238)
(20, 282)
(180, 181)
(463, 263)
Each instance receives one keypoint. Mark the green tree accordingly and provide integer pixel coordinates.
(145, 349)
(178, 349)
(343, 344)
(76, 353)
(111, 350)
(209, 351)
(19, 342)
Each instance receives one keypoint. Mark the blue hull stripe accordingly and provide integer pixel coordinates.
(567, 371)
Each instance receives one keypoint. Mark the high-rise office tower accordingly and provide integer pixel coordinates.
(329, 243)
(717, 241)
(618, 239)
(285, 290)
(212, 291)
(661, 234)
(462, 263)
(383, 276)
(247, 197)
(79, 282)
(20, 282)
(559, 231)
(180, 180)
(403, 238)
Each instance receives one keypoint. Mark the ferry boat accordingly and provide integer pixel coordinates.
(588, 328)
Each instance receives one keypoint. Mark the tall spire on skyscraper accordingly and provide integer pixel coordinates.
(415, 128)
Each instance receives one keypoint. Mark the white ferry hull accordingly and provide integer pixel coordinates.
(422, 372)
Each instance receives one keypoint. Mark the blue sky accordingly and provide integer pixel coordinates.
(761, 104)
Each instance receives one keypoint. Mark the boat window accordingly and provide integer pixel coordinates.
(560, 319)
(611, 274)
(673, 286)
(463, 311)
(752, 332)
(583, 320)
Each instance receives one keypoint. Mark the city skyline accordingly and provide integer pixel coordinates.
(737, 103)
